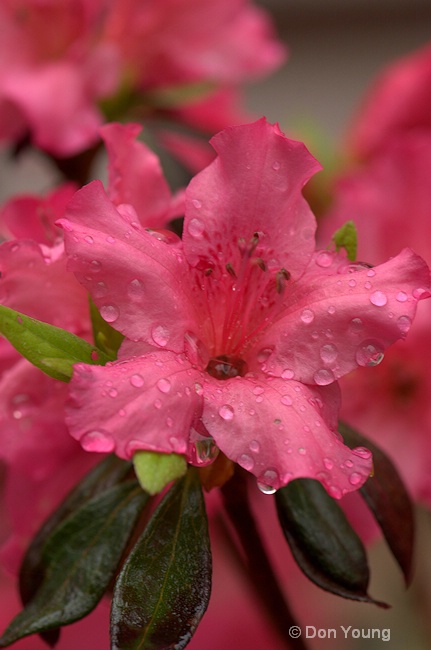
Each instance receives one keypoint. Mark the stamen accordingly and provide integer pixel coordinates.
(226, 366)
(231, 270)
(281, 279)
(260, 263)
(208, 272)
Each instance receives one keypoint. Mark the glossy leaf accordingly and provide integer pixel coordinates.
(322, 541)
(49, 348)
(79, 560)
(164, 586)
(387, 498)
(111, 471)
(105, 337)
(155, 470)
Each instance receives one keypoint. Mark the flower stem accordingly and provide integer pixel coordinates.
(259, 570)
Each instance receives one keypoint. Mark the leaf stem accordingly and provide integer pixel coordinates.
(258, 568)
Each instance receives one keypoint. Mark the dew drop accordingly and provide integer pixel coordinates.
(100, 290)
(135, 288)
(324, 260)
(113, 392)
(328, 353)
(276, 166)
(160, 335)
(246, 462)
(329, 464)
(164, 385)
(195, 228)
(110, 240)
(110, 313)
(404, 324)
(99, 440)
(266, 481)
(199, 388)
(323, 377)
(302, 451)
(367, 285)
(255, 446)
(197, 204)
(369, 353)
(264, 355)
(378, 298)
(137, 381)
(286, 400)
(362, 452)
(420, 293)
(355, 325)
(348, 463)
(204, 451)
(335, 492)
(307, 316)
(287, 374)
(89, 239)
(226, 412)
(352, 283)
(157, 404)
(401, 296)
(95, 266)
(355, 478)
(258, 390)
(331, 310)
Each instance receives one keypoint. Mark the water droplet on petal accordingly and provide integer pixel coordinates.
(369, 353)
(287, 374)
(323, 377)
(355, 325)
(331, 310)
(286, 400)
(198, 388)
(196, 228)
(95, 266)
(135, 288)
(89, 239)
(302, 451)
(197, 204)
(258, 390)
(355, 478)
(164, 385)
(110, 240)
(160, 335)
(255, 446)
(276, 166)
(378, 298)
(328, 353)
(100, 290)
(335, 492)
(264, 355)
(226, 412)
(110, 313)
(401, 296)
(329, 464)
(324, 259)
(137, 381)
(157, 404)
(100, 441)
(307, 316)
(113, 392)
(404, 324)
(362, 452)
(420, 293)
(246, 462)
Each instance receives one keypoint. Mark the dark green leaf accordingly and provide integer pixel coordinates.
(111, 471)
(163, 589)
(80, 559)
(322, 541)
(387, 498)
(105, 337)
(49, 348)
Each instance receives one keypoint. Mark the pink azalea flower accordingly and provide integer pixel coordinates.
(59, 60)
(236, 335)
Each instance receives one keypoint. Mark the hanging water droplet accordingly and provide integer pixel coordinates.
(137, 381)
(246, 462)
(369, 353)
(226, 412)
(110, 313)
(98, 440)
(164, 385)
(328, 353)
(266, 482)
(204, 451)
(323, 377)
(160, 335)
(196, 228)
(378, 298)
(307, 316)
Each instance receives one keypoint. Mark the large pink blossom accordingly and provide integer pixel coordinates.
(236, 335)
(33, 435)
(59, 60)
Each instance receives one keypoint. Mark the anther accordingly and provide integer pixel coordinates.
(281, 279)
(230, 270)
(260, 263)
(208, 272)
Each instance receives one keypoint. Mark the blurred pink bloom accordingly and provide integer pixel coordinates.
(398, 102)
(59, 60)
(388, 195)
(34, 438)
(236, 335)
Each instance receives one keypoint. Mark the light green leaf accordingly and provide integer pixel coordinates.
(347, 237)
(49, 348)
(155, 470)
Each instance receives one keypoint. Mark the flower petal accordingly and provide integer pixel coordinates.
(149, 402)
(335, 323)
(253, 186)
(281, 430)
(135, 175)
(138, 282)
